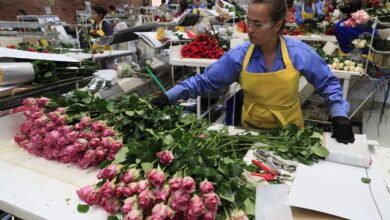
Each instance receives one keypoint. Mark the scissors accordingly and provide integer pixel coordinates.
(270, 173)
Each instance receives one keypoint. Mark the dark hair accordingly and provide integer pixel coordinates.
(111, 7)
(351, 7)
(100, 10)
(183, 5)
(279, 9)
(22, 11)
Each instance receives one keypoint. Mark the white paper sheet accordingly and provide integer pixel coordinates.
(272, 203)
(337, 189)
(20, 54)
(356, 154)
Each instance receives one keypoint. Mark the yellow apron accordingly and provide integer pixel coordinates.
(195, 11)
(325, 10)
(270, 99)
(308, 15)
(100, 33)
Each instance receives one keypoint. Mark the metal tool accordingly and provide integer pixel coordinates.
(269, 174)
(275, 161)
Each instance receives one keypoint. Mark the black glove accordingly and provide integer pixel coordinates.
(160, 101)
(321, 18)
(342, 130)
(310, 21)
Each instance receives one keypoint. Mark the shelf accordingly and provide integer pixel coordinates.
(345, 74)
(314, 37)
(378, 51)
(17, 24)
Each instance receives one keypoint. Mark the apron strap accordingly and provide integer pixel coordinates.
(286, 58)
(247, 57)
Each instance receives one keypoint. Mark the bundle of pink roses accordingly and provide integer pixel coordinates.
(155, 196)
(357, 18)
(47, 134)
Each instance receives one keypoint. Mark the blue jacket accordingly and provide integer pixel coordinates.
(227, 70)
(345, 35)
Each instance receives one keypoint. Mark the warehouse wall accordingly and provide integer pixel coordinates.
(65, 9)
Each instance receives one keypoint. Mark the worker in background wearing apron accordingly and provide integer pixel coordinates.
(268, 68)
(345, 35)
(307, 12)
(194, 9)
(100, 27)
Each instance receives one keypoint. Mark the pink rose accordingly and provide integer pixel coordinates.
(141, 186)
(71, 150)
(156, 177)
(146, 199)
(161, 193)
(108, 189)
(116, 145)
(188, 184)
(107, 141)
(162, 212)
(180, 201)
(134, 214)
(175, 184)
(89, 195)
(43, 101)
(100, 153)
(211, 201)
(111, 206)
(84, 121)
(128, 204)
(210, 215)
(28, 102)
(71, 136)
(165, 157)
(239, 215)
(88, 158)
(130, 175)
(119, 190)
(94, 142)
(97, 126)
(130, 189)
(206, 187)
(108, 172)
(196, 207)
(107, 132)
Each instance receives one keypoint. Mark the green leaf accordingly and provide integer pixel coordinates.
(146, 167)
(130, 113)
(249, 207)
(82, 208)
(110, 106)
(120, 156)
(104, 163)
(169, 140)
(225, 192)
(139, 112)
(81, 94)
(366, 180)
(320, 151)
(48, 75)
(112, 217)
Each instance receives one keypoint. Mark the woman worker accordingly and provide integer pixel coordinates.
(100, 27)
(307, 11)
(345, 35)
(194, 9)
(268, 69)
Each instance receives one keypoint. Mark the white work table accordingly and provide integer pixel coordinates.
(35, 188)
(99, 56)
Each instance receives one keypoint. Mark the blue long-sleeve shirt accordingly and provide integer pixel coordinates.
(298, 11)
(227, 70)
(194, 6)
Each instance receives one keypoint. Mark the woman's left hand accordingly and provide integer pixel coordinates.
(342, 130)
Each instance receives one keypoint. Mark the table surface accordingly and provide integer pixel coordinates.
(106, 54)
(35, 188)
